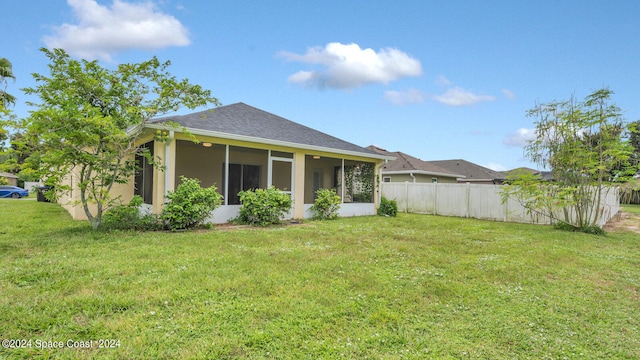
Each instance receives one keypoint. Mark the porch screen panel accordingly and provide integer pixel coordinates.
(321, 173)
(359, 180)
(282, 175)
(241, 177)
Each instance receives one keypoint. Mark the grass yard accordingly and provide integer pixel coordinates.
(414, 287)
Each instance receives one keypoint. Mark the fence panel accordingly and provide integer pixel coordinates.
(485, 202)
(477, 201)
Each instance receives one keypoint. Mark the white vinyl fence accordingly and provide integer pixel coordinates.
(476, 201)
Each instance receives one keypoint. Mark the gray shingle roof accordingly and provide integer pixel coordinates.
(470, 170)
(244, 120)
(407, 163)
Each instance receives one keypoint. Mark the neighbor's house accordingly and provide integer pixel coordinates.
(240, 147)
(11, 179)
(472, 173)
(406, 168)
(544, 175)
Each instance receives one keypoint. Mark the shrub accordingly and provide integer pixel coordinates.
(128, 217)
(189, 205)
(4, 181)
(326, 204)
(388, 207)
(593, 230)
(263, 206)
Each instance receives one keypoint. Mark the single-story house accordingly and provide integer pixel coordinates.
(472, 173)
(11, 179)
(406, 168)
(240, 147)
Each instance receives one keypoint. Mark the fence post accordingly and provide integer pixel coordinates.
(435, 198)
(406, 196)
(468, 200)
(506, 204)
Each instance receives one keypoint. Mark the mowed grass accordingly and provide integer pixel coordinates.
(414, 287)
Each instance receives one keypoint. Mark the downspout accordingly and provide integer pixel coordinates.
(413, 177)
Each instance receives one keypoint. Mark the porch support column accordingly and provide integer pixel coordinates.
(298, 185)
(377, 184)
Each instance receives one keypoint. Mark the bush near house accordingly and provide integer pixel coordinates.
(388, 207)
(263, 206)
(189, 205)
(326, 204)
(129, 217)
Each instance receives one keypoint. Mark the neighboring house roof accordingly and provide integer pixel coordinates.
(407, 164)
(472, 172)
(7, 175)
(243, 122)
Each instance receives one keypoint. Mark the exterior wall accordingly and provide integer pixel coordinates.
(71, 199)
(13, 181)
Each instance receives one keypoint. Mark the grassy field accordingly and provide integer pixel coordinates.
(414, 287)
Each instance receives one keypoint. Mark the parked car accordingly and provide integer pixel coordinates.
(8, 191)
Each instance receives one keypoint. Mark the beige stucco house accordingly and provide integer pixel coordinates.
(239, 147)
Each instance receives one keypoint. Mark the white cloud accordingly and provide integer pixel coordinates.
(102, 31)
(495, 167)
(443, 81)
(520, 138)
(347, 66)
(411, 96)
(460, 97)
(509, 94)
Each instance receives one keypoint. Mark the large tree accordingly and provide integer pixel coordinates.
(88, 118)
(581, 143)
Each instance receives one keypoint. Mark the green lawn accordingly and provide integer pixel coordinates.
(415, 287)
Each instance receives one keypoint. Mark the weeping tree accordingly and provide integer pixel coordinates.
(88, 118)
(583, 144)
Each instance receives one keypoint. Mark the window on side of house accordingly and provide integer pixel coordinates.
(143, 180)
(386, 179)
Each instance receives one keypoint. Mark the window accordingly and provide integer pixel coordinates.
(143, 181)
(241, 178)
(386, 179)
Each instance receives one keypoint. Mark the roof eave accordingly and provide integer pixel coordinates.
(272, 142)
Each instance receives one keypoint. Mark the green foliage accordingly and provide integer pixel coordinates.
(582, 144)
(129, 217)
(4, 181)
(88, 119)
(388, 207)
(263, 206)
(189, 205)
(359, 182)
(326, 204)
(594, 230)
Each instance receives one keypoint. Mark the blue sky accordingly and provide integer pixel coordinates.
(434, 79)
